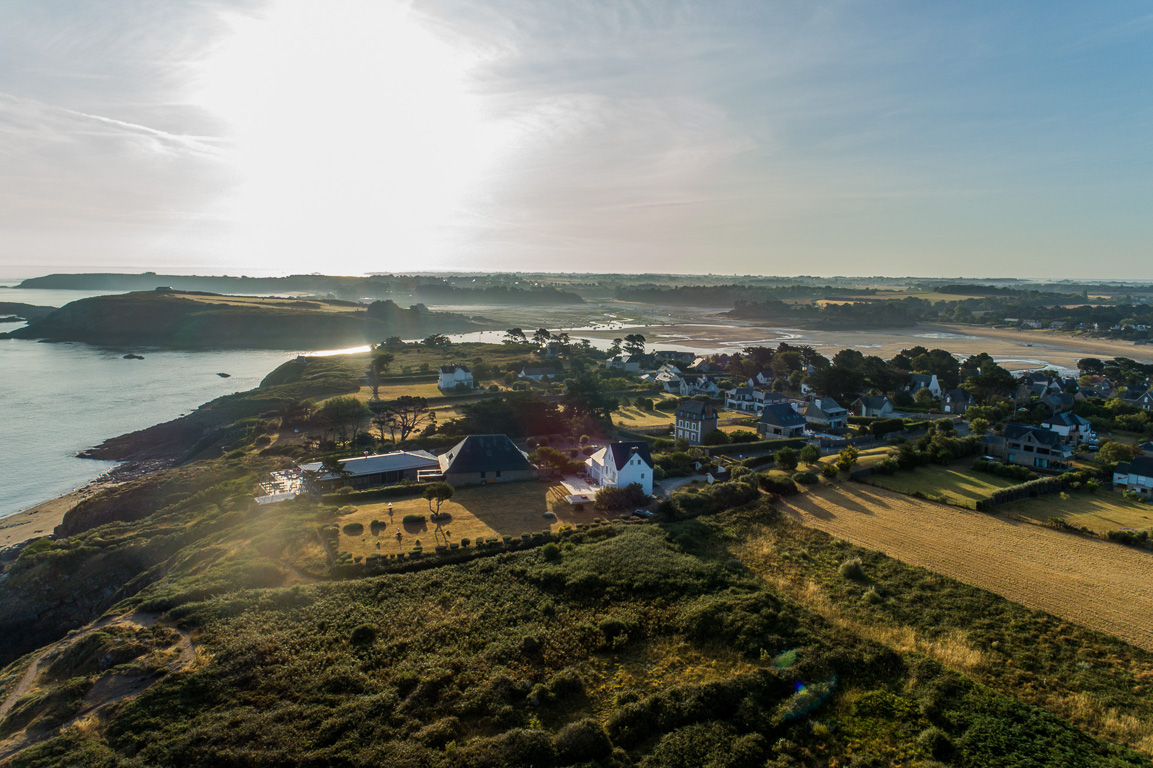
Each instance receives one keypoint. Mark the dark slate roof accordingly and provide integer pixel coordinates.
(1066, 419)
(957, 395)
(484, 453)
(922, 379)
(1041, 435)
(874, 401)
(622, 452)
(695, 410)
(454, 368)
(782, 415)
(1142, 465)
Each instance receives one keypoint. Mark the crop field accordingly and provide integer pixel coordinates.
(500, 509)
(1102, 511)
(957, 485)
(1100, 585)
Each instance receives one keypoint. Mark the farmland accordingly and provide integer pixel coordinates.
(1100, 585)
(1100, 512)
(953, 485)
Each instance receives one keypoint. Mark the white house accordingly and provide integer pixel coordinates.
(1070, 426)
(621, 464)
(876, 406)
(826, 413)
(1135, 475)
(453, 375)
(919, 381)
(538, 374)
(699, 385)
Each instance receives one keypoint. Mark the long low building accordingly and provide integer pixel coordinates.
(369, 471)
(1135, 475)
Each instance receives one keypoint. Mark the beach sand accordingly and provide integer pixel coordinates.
(39, 520)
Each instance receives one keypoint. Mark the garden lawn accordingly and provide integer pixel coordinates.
(635, 417)
(476, 511)
(956, 485)
(1101, 511)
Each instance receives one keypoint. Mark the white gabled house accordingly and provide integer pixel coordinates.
(453, 375)
(618, 465)
(919, 381)
(1074, 428)
(699, 385)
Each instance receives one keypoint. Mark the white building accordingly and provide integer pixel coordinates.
(453, 375)
(1135, 475)
(618, 465)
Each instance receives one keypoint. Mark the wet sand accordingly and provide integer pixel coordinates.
(39, 520)
(1015, 349)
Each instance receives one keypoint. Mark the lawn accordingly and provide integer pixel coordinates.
(499, 509)
(635, 417)
(1101, 511)
(957, 484)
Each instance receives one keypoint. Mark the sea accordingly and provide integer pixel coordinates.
(59, 399)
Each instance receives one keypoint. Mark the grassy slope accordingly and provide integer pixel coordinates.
(953, 485)
(1100, 512)
(654, 637)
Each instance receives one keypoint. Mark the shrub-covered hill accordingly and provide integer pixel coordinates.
(626, 645)
(170, 320)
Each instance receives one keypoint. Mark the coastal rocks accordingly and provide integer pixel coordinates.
(225, 375)
(131, 356)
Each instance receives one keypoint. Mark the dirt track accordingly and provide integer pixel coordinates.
(1100, 585)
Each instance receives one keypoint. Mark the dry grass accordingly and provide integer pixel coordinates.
(961, 486)
(635, 417)
(1103, 586)
(499, 509)
(1100, 512)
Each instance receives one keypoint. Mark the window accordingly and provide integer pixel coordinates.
(482, 475)
(498, 473)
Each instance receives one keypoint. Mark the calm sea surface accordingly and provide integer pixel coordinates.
(58, 399)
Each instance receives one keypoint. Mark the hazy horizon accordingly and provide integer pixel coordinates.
(736, 138)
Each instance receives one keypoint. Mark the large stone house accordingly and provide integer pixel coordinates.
(693, 420)
(481, 459)
(956, 400)
(1034, 447)
(621, 464)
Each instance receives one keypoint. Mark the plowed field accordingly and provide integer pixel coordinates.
(1100, 585)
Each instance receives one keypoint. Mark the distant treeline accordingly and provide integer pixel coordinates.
(500, 289)
(730, 295)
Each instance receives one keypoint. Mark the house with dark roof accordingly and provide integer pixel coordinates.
(956, 400)
(919, 381)
(1135, 475)
(872, 406)
(479, 459)
(1073, 428)
(1035, 447)
(826, 414)
(751, 399)
(1145, 401)
(453, 376)
(370, 471)
(700, 385)
(780, 420)
(693, 420)
(1145, 448)
(618, 465)
(538, 374)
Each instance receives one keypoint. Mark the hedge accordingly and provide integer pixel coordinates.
(384, 492)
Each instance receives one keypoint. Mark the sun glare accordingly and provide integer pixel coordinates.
(356, 135)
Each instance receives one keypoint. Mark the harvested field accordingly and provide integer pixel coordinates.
(1100, 585)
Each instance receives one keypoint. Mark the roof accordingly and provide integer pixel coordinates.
(828, 405)
(623, 451)
(1142, 465)
(484, 453)
(1040, 434)
(923, 378)
(782, 415)
(874, 401)
(957, 394)
(397, 461)
(1067, 420)
(695, 409)
(540, 371)
(454, 368)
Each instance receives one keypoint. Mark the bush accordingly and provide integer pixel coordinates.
(413, 519)
(852, 569)
(775, 484)
(743, 436)
(353, 529)
(786, 459)
(621, 498)
(936, 742)
(829, 470)
(805, 478)
(364, 634)
(582, 741)
(1013, 471)
(717, 437)
(550, 551)
(1128, 536)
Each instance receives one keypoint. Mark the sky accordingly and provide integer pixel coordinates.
(960, 139)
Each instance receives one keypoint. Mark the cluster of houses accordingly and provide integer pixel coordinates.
(480, 460)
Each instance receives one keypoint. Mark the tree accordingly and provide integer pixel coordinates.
(406, 413)
(786, 459)
(634, 344)
(810, 454)
(330, 467)
(541, 337)
(847, 458)
(440, 493)
(377, 365)
(1112, 452)
(923, 398)
(436, 340)
(716, 437)
(837, 382)
(515, 336)
(979, 426)
(345, 415)
(394, 342)
(615, 349)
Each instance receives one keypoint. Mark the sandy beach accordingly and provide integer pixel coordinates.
(39, 520)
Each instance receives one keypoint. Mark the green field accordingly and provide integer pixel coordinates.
(955, 485)
(1101, 511)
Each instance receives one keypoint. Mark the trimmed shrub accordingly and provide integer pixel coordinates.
(805, 478)
(852, 569)
(353, 529)
(413, 519)
(582, 741)
(363, 634)
(775, 484)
